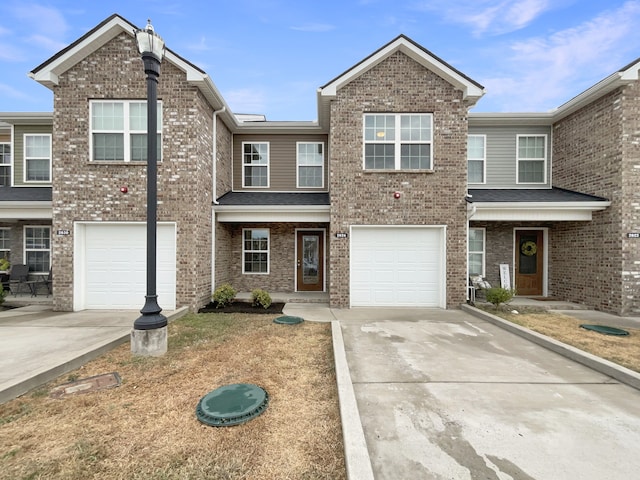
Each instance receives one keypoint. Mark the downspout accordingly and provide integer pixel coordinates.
(470, 213)
(214, 193)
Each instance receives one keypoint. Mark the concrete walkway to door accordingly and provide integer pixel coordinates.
(446, 395)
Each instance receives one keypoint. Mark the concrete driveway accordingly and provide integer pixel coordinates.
(445, 395)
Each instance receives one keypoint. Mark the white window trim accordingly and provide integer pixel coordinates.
(298, 165)
(25, 158)
(484, 249)
(483, 159)
(268, 165)
(268, 252)
(10, 164)
(398, 142)
(126, 131)
(25, 249)
(518, 159)
(6, 229)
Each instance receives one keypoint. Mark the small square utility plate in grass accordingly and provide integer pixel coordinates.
(86, 385)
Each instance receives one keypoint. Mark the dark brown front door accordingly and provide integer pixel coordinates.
(529, 262)
(310, 261)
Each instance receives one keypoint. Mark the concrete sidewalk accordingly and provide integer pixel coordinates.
(38, 344)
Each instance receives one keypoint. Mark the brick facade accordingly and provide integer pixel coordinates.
(589, 257)
(87, 191)
(398, 85)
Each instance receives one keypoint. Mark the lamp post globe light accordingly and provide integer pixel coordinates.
(147, 337)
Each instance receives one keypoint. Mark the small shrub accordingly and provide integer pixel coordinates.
(261, 298)
(497, 295)
(224, 295)
(4, 264)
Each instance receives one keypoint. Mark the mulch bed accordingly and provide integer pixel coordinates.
(241, 307)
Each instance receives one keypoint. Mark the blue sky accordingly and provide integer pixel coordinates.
(270, 56)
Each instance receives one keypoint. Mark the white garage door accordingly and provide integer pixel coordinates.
(112, 265)
(398, 266)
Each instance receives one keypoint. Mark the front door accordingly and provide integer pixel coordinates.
(310, 261)
(529, 262)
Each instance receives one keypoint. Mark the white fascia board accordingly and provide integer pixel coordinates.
(272, 213)
(26, 210)
(477, 119)
(536, 211)
(469, 89)
(48, 76)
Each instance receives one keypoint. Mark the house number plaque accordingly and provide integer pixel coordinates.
(63, 232)
(341, 235)
(633, 235)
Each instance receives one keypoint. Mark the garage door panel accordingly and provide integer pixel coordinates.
(115, 266)
(394, 266)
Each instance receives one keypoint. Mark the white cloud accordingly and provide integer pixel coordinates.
(547, 71)
(11, 53)
(246, 100)
(11, 93)
(41, 20)
(490, 16)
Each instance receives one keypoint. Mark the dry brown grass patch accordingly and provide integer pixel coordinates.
(147, 428)
(623, 350)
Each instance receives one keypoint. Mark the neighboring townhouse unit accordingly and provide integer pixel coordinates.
(25, 190)
(393, 197)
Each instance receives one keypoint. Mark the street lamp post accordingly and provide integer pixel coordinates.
(149, 335)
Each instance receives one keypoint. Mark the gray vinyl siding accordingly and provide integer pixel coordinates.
(18, 150)
(282, 161)
(502, 155)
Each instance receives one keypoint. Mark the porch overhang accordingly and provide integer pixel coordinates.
(269, 213)
(535, 211)
(11, 211)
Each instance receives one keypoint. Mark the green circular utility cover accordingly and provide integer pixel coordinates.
(288, 320)
(232, 404)
(606, 330)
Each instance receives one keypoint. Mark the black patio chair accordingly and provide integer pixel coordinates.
(18, 277)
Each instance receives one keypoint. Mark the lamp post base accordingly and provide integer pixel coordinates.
(149, 343)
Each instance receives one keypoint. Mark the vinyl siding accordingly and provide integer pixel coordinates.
(501, 151)
(282, 161)
(18, 150)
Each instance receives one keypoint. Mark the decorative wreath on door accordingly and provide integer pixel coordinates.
(529, 248)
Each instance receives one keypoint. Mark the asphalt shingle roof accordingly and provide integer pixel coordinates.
(273, 198)
(25, 194)
(481, 195)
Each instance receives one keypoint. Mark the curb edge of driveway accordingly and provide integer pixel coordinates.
(356, 454)
(618, 372)
(87, 355)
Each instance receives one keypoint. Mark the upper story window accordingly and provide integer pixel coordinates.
(255, 164)
(37, 248)
(476, 158)
(532, 158)
(37, 157)
(5, 164)
(310, 164)
(255, 250)
(119, 131)
(402, 141)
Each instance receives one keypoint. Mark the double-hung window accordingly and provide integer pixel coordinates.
(5, 243)
(310, 164)
(532, 158)
(255, 164)
(37, 158)
(119, 131)
(37, 248)
(401, 141)
(476, 158)
(5, 164)
(255, 250)
(476, 251)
